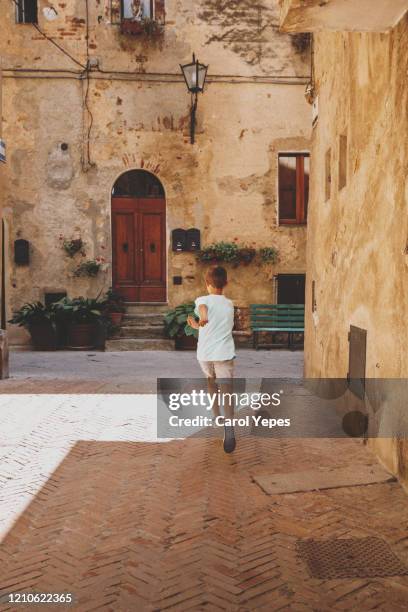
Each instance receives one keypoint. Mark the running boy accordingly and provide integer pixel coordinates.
(216, 350)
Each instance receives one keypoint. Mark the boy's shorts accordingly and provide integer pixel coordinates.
(218, 369)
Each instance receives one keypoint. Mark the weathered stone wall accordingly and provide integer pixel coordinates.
(2, 177)
(357, 250)
(1, 165)
(226, 184)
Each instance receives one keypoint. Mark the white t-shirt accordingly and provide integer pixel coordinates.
(215, 341)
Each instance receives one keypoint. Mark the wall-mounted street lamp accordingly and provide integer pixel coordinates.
(194, 75)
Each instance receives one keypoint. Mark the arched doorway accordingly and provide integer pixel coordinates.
(139, 237)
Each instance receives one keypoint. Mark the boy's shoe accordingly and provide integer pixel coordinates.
(229, 439)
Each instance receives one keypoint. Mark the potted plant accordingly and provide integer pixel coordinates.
(176, 326)
(246, 255)
(268, 255)
(90, 267)
(218, 252)
(39, 320)
(83, 317)
(144, 26)
(114, 307)
(72, 246)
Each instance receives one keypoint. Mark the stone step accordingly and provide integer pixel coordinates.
(142, 331)
(143, 319)
(155, 325)
(148, 309)
(139, 344)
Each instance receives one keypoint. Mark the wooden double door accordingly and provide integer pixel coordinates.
(139, 248)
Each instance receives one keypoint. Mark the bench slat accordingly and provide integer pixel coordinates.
(280, 329)
(277, 306)
(281, 319)
(287, 318)
(277, 322)
(278, 312)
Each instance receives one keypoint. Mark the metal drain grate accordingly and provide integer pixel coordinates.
(350, 558)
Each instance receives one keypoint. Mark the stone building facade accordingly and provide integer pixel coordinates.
(2, 183)
(357, 252)
(87, 101)
(4, 363)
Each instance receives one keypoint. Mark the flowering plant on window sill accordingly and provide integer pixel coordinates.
(142, 27)
(91, 267)
(268, 255)
(233, 253)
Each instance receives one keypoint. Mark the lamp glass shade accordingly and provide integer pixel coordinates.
(195, 75)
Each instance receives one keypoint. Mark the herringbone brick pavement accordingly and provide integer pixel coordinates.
(127, 523)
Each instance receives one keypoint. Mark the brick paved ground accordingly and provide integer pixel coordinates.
(91, 502)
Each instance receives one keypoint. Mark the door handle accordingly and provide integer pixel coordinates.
(152, 247)
(125, 247)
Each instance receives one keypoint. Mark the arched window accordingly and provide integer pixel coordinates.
(138, 184)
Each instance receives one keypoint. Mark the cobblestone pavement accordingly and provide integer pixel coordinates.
(92, 503)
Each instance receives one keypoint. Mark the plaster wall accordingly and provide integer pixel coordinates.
(226, 184)
(341, 15)
(2, 183)
(357, 252)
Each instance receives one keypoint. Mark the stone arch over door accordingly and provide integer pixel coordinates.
(139, 266)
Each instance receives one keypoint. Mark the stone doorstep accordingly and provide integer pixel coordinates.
(139, 344)
(133, 308)
(320, 479)
(20, 347)
(140, 320)
(142, 331)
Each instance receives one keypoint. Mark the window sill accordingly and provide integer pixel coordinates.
(292, 224)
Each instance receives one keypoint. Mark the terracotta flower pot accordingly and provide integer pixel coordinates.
(241, 318)
(186, 343)
(82, 336)
(44, 337)
(116, 318)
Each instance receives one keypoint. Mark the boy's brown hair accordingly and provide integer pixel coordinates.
(216, 277)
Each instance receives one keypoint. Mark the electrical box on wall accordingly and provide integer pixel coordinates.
(21, 252)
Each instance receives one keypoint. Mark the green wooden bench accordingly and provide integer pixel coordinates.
(289, 318)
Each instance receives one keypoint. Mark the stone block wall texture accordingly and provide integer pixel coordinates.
(2, 186)
(357, 251)
(226, 184)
